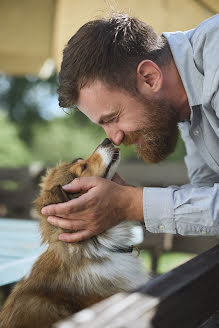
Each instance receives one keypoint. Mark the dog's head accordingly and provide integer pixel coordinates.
(103, 162)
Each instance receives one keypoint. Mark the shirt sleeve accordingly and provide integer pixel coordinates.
(183, 210)
(199, 173)
(190, 209)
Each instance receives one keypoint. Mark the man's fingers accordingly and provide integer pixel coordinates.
(75, 205)
(63, 209)
(66, 224)
(76, 236)
(81, 184)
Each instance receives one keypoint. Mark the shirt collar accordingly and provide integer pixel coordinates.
(182, 52)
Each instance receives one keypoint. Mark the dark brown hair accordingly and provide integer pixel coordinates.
(109, 50)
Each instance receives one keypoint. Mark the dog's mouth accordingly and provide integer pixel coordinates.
(116, 154)
(115, 158)
(110, 157)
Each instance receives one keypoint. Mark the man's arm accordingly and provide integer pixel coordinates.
(187, 210)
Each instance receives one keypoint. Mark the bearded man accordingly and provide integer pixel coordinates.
(140, 87)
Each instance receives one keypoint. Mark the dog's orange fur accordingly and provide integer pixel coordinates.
(47, 296)
(69, 277)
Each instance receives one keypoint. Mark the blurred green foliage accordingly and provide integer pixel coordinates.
(13, 151)
(20, 98)
(66, 138)
(29, 132)
(62, 139)
(166, 262)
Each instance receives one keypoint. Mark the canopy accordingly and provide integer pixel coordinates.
(33, 31)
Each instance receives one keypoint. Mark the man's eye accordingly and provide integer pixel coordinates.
(113, 119)
(84, 167)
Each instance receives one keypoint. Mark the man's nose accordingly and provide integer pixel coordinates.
(116, 136)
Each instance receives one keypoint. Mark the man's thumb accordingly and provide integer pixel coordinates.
(79, 184)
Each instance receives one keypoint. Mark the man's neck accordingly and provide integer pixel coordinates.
(175, 92)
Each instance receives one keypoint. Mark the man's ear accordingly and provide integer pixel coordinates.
(149, 77)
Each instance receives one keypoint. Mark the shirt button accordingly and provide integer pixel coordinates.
(204, 232)
(161, 227)
(196, 132)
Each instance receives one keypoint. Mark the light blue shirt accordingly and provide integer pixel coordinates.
(193, 209)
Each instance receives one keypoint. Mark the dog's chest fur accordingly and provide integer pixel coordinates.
(103, 267)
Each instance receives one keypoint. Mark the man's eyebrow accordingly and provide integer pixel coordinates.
(107, 117)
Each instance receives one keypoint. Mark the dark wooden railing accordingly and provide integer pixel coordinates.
(186, 297)
(18, 188)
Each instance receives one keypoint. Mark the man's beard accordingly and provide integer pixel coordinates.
(158, 133)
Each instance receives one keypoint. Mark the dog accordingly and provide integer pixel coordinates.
(69, 277)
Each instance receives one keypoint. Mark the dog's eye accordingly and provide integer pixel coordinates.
(83, 168)
(75, 160)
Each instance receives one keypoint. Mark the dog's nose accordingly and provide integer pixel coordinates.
(106, 142)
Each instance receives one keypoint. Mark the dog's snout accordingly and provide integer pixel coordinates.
(106, 142)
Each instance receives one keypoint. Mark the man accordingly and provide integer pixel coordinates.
(139, 86)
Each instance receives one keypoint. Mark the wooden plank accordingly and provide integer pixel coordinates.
(183, 297)
(156, 175)
(193, 244)
(16, 174)
(186, 244)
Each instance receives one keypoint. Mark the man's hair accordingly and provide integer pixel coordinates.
(108, 50)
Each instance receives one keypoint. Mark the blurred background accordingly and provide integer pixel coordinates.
(32, 36)
(34, 131)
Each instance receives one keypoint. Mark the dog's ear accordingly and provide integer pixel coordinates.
(54, 195)
(59, 195)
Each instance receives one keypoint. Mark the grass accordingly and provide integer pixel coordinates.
(167, 261)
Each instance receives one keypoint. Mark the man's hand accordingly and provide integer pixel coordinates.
(104, 205)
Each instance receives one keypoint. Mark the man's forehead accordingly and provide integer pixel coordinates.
(94, 103)
(95, 112)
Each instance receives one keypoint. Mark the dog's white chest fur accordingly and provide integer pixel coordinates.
(107, 268)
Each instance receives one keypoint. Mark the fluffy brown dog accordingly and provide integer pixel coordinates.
(68, 277)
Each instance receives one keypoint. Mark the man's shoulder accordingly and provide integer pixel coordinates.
(207, 26)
